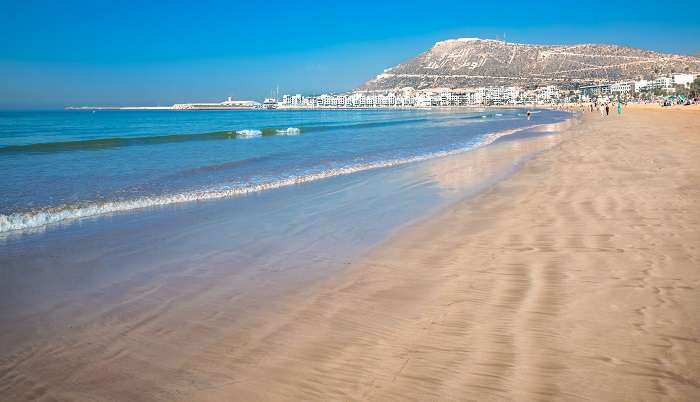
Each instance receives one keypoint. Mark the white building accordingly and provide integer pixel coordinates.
(641, 85)
(663, 83)
(684, 79)
(622, 88)
(293, 100)
(548, 94)
(423, 100)
(594, 91)
(650, 85)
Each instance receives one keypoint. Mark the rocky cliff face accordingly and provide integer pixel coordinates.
(473, 62)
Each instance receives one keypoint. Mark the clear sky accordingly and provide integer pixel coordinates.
(58, 53)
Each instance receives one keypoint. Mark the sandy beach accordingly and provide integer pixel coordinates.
(576, 278)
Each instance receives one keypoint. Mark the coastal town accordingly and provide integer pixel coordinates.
(676, 88)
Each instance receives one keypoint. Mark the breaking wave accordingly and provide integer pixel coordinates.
(47, 216)
(117, 142)
(289, 131)
(248, 133)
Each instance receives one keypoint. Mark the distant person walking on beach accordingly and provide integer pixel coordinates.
(601, 109)
(607, 109)
(619, 107)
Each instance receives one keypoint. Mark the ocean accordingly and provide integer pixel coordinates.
(61, 166)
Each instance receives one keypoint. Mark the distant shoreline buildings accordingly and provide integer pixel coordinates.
(487, 96)
(446, 97)
(227, 104)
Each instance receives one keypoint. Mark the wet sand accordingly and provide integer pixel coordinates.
(574, 279)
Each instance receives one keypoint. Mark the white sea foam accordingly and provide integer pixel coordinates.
(39, 218)
(248, 133)
(289, 131)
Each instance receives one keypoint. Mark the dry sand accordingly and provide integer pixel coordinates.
(575, 279)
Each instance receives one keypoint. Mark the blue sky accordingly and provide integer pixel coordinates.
(58, 53)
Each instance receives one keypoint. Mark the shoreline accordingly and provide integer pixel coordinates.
(83, 300)
(18, 222)
(560, 106)
(552, 284)
(559, 281)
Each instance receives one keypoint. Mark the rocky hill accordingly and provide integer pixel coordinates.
(473, 62)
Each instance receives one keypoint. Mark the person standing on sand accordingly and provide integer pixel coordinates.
(601, 109)
(619, 107)
(607, 109)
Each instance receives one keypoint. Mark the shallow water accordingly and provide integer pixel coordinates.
(253, 249)
(62, 165)
(239, 253)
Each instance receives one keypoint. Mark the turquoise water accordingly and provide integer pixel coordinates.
(61, 165)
